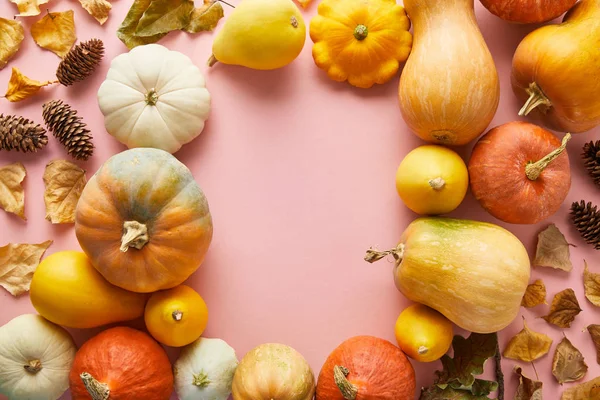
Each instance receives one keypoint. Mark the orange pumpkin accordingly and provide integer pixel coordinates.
(528, 11)
(143, 221)
(365, 368)
(121, 364)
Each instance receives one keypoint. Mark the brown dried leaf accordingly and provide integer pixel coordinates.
(21, 87)
(591, 283)
(553, 250)
(206, 17)
(568, 364)
(28, 8)
(589, 390)
(535, 294)
(11, 36)
(55, 32)
(98, 9)
(12, 196)
(564, 309)
(527, 345)
(594, 331)
(528, 389)
(64, 183)
(17, 265)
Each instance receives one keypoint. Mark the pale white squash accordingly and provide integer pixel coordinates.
(204, 370)
(154, 97)
(35, 359)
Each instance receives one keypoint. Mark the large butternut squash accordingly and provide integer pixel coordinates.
(449, 89)
(475, 273)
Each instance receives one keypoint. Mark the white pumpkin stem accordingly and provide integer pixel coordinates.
(536, 99)
(33, 366)
(200, 379)
(212, 60)
(177, 315)
(134, 235)
(533, 170)
(375, 255)
(349, 391)
(437, 183)
(151, 97)
(98, 390)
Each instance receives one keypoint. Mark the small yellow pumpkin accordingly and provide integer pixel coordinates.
(362, 42)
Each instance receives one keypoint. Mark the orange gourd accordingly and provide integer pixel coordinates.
(365, 368)
(121, 364)
(528, 11)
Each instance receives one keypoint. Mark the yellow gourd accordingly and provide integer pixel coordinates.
(362, 42)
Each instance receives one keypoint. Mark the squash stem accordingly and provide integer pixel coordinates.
(349, 391)
(134, 235)
(97, 390)
(536, 99)
(177, 315)
(533, 170)
(361, 32)
(437, 183)
(151, 97)
(33, 366)
(375, 255)
(212, 60)
(200, 379)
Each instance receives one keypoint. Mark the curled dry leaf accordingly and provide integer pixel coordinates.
(589, 390)
(205, 17)
(527, 345)
(448, 393)
(568, 364)
(591, 283)
(164, 16)
(594, 331)
(12, 197)
(64, 183)
(28, 8)
(17, 265)
(126, 32)
(528, 389)
(553, 250)
(98, 9)
(535, 294)
(564, 309)
(55, 32)
(11, 36)
(21, 87)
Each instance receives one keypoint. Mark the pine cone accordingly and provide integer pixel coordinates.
(80, 62)
(586, 218)
(591, 158)
(67, 127)
(21, 134)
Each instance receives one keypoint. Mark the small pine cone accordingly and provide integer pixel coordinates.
(591, 158)
(67, 127)
(21, 134)
(586, 218)
(80, 62)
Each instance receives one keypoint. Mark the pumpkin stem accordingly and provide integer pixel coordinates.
(533, 170)
(177, 315)
(437, 183)
(33, 366)
(200, 379)
(375, 255)
(536, 99)
(349, 391)
(98, 390)
(134, 235)
(212, 60)
(422, 350)
(361, 32)
(151, 97)
(294, 21)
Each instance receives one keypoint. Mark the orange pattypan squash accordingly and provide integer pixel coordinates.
(362, 42)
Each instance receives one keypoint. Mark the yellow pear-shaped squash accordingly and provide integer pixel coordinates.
(67, 290)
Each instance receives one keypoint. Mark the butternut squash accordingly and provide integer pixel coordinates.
(449, 89)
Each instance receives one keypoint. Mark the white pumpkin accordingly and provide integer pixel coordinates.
(204, 370)
(35, 359)
(154, 97)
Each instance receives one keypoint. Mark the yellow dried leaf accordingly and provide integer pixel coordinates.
(98, 9)
(304, 3)
(206, 17)
(594, 331)
(528, 389)
(55, 32)
(534, 295)
(21, 87)
(589, 390)
(28, 8)
(568, 364)
(64, 183)
(564, 309)
(591, 283)
(12, 197)
(11, 36)
(553, 250)
(527, 345)
(17, 265)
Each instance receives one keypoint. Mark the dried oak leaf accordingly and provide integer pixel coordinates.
(528, 389)
(436, 393)
(98, 9)
(564, 309)
(12, 196)
(11, 36)
(55, 32)
(527, 345)
(17, 265)
(126, 32)
(164, 16)
(64, 183)
(534, 295)
(553, 250)
(568, 364)
(28, 8)
(206, 17)
(589, 390)
(591, 283)
(594, 331)
(21, 87)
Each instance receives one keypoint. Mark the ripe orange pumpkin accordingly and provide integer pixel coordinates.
(364, 368)
(121, 364)
(143, 221)
(528, 11)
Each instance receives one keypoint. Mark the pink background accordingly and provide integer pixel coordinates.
(299, 172)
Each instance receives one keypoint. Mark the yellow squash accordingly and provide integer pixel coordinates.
(362, 42)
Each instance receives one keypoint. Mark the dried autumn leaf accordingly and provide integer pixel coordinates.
(568, 364)
(98, 9)
(17, 265)
(12, 198)
(304, 3)
(21, 87)
(528, 389)
(206, 17)
(164, 16)
(64, 183)
(591, 283)
(436, 393)
(589, 390)
(55, 32)
(594, 331)
(527, 345)
(11, 36)
(534, 295)
(564, 309)
(126, 32)
(553, 250)
(28, 8)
